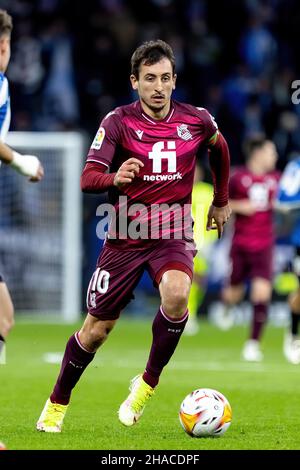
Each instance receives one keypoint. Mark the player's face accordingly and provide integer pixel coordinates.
(154, 86)
(269, 156)
(4, 52)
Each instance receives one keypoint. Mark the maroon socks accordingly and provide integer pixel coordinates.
(74, 362)
(259, 320)
(166, 335)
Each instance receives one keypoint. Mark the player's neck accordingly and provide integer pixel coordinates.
(255, 168)
(156, 114)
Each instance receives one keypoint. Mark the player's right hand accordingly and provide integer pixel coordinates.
(28, 165)
(39, 174)
(127, 172)
(217, 218)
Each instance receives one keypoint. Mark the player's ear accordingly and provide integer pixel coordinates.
(134, 82)
(174, 81)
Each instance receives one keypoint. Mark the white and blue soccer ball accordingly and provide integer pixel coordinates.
(205, 412)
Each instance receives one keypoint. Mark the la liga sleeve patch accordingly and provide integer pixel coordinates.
(98, 140)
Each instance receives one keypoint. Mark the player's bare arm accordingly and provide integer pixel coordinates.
(217, 218)
(242, 206)
(127, 172)
(27, 165)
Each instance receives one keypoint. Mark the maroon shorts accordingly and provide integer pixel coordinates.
(119, 271)
(248, 265)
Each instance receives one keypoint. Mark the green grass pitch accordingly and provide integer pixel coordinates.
(264, 397)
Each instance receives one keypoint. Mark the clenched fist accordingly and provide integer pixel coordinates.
(127, 172)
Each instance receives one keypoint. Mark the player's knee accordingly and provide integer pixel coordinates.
(261, 291)
(175, 303)
(11, 322)
(260, 299)
(232, 295)
(7, 322)
(261, 296)
(6, 327)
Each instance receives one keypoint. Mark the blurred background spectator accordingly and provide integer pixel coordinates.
(70, 62)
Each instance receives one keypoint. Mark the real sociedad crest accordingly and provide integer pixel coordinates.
(183, 132)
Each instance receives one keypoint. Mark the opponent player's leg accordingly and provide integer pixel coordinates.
(260, 295)
(167, 328)
(6, 317)
(291, 346)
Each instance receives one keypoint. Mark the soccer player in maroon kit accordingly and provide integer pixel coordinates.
(252, 190)
(144, 152)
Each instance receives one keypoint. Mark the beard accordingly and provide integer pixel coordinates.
(156, 108)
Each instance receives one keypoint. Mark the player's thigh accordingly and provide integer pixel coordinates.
(260, 290)
(294, 301)
(177, 255)
(111, 286)
(171, 268)
(6, 310)
(233, 294)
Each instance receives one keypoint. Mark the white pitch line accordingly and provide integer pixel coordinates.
(214, 366)
(56, 358)
(53, 357)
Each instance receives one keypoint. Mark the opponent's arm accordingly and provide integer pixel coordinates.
(27, 165)
(219, 160)
(95, 180)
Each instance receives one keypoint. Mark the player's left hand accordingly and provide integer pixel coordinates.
(217, 218)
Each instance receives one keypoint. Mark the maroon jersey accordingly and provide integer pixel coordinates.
(254, 232)
(168, 149)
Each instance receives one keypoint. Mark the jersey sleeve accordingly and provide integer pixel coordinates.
(289, 184)
(106, 140)
(3, 90)
(233, 186)
(210, 127)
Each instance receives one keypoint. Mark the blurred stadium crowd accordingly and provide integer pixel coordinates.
(70, 62)
(70, 66)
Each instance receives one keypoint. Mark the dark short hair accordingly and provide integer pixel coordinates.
(254, 143)
(6, 24)
(150, 53)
